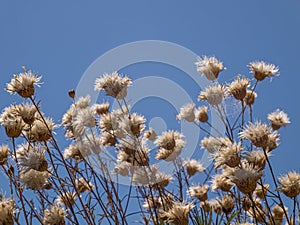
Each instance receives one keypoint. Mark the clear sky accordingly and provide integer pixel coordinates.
(60, 39)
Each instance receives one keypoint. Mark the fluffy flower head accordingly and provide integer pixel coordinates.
(54, 215)
(187, 112)
(23, 83)
(246, 178)
(170, 145)
(178, 214)
(209, 66)
(278, 119)
(213, 94)
(192, 167)
(257, 133)
(261, 70)
(113, 84)
(6, 212)
(238, 88)
(290, 184)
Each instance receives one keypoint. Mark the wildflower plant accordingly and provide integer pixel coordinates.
(78, 184)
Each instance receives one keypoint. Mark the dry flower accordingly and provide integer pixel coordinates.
(121, 168)
(278, 214)
(257, 159)
(213, 94)
(228, 155)
(136, 153)
(111, 122)
(162, 180)
(278, 119)
(192, 167)
(246, 178)
(12, 122)
(257, 213)
(150, 134)
(134, 125)
(113, 84)
(101, 109)
(227, 203)
(108, 139)
(41, 130)
(74, 152)
(90, 143)
(27, 112)
(257, 133)
(31, 157)
(72, 93)
(261, 70)
(213, 144)
(54, 216)
(84, 118)
(205, 205)
(209, 66)
(83, 185)
(178, 214)
(222, 181)
(199, 192)
(250, 97)
(170, 145)
(246, 203)
(23, 83)
(67, 199)
(238, 88)
(145, 175)
(152, 203)
(7, 211)
(67, 121)
(216, 206)
(4, 151)
(273, 141)
(201, 114)
(290, 184)
(187, 112)
(83, 102)
(261, 191)
(35, 180)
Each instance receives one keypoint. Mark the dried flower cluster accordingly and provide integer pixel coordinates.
(78, 184)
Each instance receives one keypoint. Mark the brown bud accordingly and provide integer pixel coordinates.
(72, 93)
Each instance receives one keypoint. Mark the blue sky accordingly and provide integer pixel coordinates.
(60, 39)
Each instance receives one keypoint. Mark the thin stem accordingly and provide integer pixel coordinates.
(275, 182)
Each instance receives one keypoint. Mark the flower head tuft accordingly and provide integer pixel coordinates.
(261, 70)
(238, 88)
(178, 214)
(192, 167)
(278, 119)
(246, 178)
(23, 83)
(187, 112)
(210, 67)
(257, 133)
(113, 84)
(290, 184)
(213, 94)
(7, 211)
(55, 215)
(170, 145)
